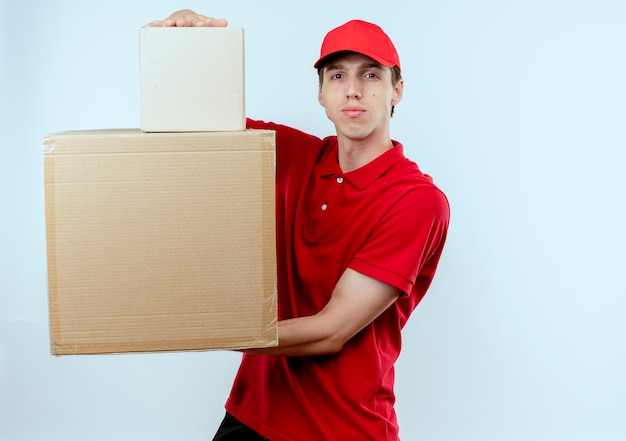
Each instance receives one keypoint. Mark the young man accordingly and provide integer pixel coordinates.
(360, 230)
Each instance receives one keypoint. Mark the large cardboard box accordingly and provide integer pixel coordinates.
(160, 242)
(192, 79)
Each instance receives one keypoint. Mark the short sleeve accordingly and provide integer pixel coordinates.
(407, 242)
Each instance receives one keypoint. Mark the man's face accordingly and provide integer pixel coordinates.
(358, 95)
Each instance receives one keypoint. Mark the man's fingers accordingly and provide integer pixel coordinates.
(158, 24)
(219, 23)
(204, 22)
(188, 18)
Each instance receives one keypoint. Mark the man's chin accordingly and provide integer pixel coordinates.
(353, 133)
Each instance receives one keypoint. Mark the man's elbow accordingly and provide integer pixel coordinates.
(333, 344)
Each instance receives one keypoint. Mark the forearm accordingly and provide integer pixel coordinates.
(356, 301)
(304, 336)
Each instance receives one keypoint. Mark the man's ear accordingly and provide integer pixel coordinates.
(320, 98)
(398, 91)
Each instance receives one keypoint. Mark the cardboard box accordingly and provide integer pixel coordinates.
(192, 79)
(160, 242)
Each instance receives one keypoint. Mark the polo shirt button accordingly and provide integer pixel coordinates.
(324, 207)
(339, 180)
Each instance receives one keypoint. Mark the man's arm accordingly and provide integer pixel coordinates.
(355, 302)
(188, 18)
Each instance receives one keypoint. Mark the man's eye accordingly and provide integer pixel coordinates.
(371, 75)
(336, 76)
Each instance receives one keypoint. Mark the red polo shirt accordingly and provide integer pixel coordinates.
(386, 220)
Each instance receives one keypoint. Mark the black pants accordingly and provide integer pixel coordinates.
(232, 429)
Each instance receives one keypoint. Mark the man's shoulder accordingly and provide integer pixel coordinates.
(419, 188)
(284, 133)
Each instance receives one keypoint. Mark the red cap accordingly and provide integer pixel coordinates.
(360, 37)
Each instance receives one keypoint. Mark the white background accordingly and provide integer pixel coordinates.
(517, 108)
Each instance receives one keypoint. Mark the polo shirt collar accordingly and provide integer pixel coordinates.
(363, 176)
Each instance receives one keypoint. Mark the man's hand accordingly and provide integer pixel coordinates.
(188, 18)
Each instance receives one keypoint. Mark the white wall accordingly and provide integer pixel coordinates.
(517, 108)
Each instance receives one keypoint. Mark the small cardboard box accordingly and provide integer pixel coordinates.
(160, 242)
(192, 79)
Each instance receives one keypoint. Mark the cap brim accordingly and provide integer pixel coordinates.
(383, 62)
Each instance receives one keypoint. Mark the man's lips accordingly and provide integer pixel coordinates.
(353, 112)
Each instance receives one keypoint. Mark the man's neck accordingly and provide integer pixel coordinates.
(355, 154)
